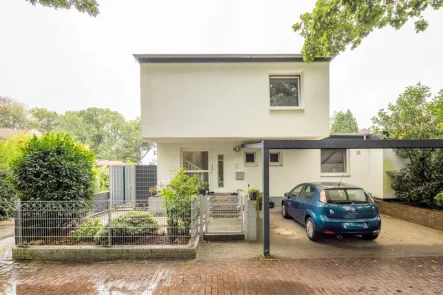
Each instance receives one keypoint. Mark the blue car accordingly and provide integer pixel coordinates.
(332, 209)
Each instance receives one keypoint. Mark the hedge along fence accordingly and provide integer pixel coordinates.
(426, 217)
(102, 223)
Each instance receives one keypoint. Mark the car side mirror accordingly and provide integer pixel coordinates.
(287, 194)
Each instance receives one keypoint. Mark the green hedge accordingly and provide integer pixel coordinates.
(54, 167)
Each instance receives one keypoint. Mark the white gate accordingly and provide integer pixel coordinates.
(223, 214)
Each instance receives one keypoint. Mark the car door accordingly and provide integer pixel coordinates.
(305, 200)
(293, 200)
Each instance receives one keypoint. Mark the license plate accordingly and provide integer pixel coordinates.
(355, 225)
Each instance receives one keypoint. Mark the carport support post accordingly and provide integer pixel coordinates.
(266, 242)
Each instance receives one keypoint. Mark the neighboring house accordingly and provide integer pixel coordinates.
(150, 157)
(200, 109)
(6, 132)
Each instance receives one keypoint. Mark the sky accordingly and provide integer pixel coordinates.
(64, 60)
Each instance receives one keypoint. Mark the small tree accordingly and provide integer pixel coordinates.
(179, 195)
(54, 168)
(416, 115)
(344, 122)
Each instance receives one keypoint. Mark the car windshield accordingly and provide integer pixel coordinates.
(346, 195)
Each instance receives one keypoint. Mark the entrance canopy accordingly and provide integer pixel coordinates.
(328, 143)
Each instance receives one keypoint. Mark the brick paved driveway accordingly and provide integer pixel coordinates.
(334, 267)
(310, 276)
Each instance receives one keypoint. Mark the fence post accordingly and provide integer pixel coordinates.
(202, 216)
(18, 223)
(245, 215)
(109, 222)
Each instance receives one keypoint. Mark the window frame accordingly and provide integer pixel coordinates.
(250, 164)
(286, 76)
(346, 165)
(280, 159)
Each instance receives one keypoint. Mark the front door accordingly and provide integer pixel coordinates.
(197, 162)
(293, 201)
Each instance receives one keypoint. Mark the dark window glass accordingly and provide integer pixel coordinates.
(284, 91)
(274, 157)
(250, 157)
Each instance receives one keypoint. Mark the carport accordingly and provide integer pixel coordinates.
(267, 145)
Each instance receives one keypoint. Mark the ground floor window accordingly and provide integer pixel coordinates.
(220, 171)
(333, 161)
(275, 158)
(196, 163)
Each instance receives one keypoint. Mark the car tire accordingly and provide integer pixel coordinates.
(369, 237)
(311, 231)
(284, 213)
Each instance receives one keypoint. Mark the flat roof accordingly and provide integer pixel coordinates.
(222, 58)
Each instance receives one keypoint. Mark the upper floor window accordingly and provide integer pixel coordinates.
(284, 91)
(333, 161)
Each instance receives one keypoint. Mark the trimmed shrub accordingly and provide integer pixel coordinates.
(7, 194)
(87, 230)
(54, 167)
(134, 224)
(103, 178)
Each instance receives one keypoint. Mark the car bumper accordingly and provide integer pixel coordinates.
(348, 226)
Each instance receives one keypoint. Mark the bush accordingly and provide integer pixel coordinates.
(134, 224)
(103, 178)
(438, 200)
(54, 167)
(7, 194)
(179, 195)
(87, 229)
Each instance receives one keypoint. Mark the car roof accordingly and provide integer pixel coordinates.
(329, 185)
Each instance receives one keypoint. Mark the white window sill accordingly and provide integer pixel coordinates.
(299, 108)
(335, 175)
(251, 164)
(275, 164)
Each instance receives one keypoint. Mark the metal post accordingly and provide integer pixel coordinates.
(18, 223)
(109, 222)
(266, 232)
(202, 216)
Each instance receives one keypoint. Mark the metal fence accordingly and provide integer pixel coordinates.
(105, 223)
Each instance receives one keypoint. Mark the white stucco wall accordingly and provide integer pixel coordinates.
(230, 100)
(365, 168)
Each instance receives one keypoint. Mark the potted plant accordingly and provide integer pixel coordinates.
(153, 191)
(253, 194)
(203, 187)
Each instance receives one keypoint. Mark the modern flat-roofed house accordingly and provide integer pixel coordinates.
(200, 109)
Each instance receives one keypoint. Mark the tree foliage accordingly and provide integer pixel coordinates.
(344, 122)
(106, 132)
(416, 115)
(7, 193)
(54, 167)
(13, 114)
(86, 6)
(44, 119)
(335, 24)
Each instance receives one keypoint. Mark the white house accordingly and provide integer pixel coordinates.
(199, 109)
(150, 157)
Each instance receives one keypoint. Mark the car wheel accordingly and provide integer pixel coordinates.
(311, 231)
(369, 237)
(284, 213)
